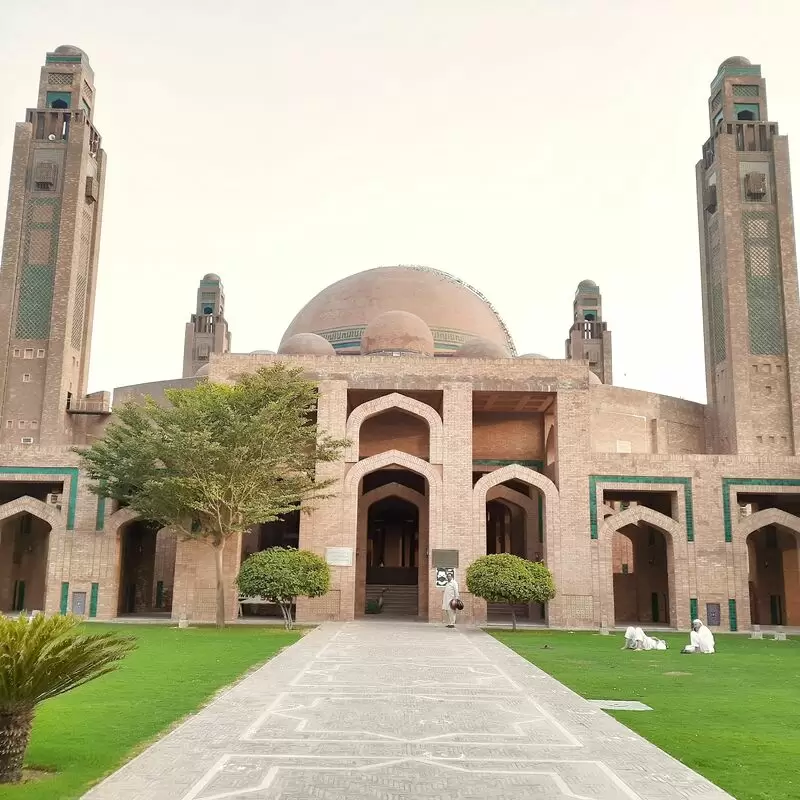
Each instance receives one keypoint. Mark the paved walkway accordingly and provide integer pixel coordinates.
(402, 712)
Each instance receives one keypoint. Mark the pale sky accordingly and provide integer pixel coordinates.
(521, 146)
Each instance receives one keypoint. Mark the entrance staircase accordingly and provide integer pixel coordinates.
(398, 601)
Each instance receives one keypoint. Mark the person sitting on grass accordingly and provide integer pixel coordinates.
(701, 640)
(637, 639)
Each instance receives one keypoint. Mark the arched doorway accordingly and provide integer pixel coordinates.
(517, 511)
(24, 550)
(392, 556)
(281, 532)
(638, 582)
(774, 576)
(146, 569)
(641, 576)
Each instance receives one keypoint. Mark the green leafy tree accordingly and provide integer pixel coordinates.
(281, 575)
(217, 459)
(504, 578)
(41, 657)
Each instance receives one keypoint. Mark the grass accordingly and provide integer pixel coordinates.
(87, 733)
(733, 716)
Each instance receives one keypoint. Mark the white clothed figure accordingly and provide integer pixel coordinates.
(637, 639)
(450, 593)
(701, 640)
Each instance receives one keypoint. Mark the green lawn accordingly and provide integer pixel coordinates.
(87, 733)
(733, 716)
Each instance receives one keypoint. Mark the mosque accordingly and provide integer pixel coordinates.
(647, 509)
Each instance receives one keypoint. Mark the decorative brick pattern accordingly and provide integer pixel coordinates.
(764, 302)
(60, 79)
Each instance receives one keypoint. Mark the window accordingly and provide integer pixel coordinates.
(26, 378)
(34, 424)
(17, 352)
(28, 352)
(40, 353)
(23, 423)
(9, 423)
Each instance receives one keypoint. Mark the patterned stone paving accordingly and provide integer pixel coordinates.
(394, 711)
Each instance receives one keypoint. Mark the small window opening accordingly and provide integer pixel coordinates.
(747, 116)
(59, 104)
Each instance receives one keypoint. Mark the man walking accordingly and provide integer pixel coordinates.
(450, 594)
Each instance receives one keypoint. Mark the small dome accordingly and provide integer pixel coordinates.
(397, 332)
(68, 50)
(306, 344)
(211, 276)
(263, 353)
(481, 348)
(594, 380)
(587, 285)
(203, 371)
(534, 355)
(735, 61)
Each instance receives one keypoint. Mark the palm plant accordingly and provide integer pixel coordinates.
(41, 657)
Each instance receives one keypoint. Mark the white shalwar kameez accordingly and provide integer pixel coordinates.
(450, 593)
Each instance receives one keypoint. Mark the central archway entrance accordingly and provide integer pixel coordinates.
(393, 556)
(392, 547)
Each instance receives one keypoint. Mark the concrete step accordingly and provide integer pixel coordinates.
(397, 600)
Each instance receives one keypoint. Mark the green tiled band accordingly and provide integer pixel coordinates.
(693, 608)
(71, 472)
(594, 480)
(93, 600)
(64, 597)
(727, 483)
(732, 621)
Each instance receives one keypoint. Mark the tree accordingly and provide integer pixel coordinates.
(41, 657)
(281, 575)
(217, 459)
(504, 578)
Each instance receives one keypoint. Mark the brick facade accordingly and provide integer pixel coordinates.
(570, 461)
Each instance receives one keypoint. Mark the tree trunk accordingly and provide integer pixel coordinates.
(513, 618)
(219, 551)
(286, 608)
(15, 733)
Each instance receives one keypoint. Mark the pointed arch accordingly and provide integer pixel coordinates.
(36, 508)
(393, 489)
(551, 513)
(636, 514)
(399, 401)
(767, 516)
(122, 516)
(677, 552)
(393, 458)
(500, 492)
(352, 503)
(525, 475)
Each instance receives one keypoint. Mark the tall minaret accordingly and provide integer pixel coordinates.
(589, 337)
(207, 330)
(751, 312)
(49, 262)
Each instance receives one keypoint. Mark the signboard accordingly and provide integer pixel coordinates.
(339, 556)
(446, 559)
(79, 603)
(443, 575)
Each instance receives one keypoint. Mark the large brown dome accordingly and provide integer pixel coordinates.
(454, 311)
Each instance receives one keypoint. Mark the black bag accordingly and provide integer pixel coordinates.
(456, 604)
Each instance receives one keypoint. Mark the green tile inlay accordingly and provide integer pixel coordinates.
(100, 519)
(71, 472)
(727, 483)
(64, 597)
(595, 480)
(63, 60)
(693, 608)
(734, 623)
(93, 600)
